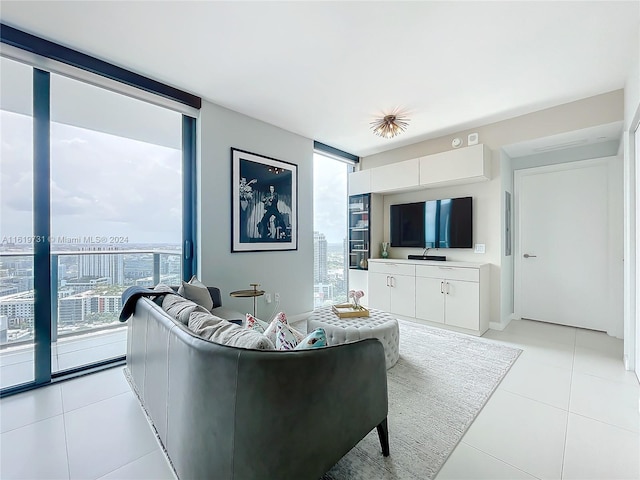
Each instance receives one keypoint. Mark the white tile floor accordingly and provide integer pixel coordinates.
(567, 409)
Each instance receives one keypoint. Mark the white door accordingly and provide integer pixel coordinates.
(563, 244)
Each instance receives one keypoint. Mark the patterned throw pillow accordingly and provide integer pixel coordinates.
(196, 291)
(271, 331)
(253, 323)
(285, 339)
(316, 339)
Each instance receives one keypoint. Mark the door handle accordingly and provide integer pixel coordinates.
(393, 282)
(526, 255)
(448, 284)
(388, 281)
(441, 287)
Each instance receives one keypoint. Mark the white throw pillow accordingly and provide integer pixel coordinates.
(196, 291)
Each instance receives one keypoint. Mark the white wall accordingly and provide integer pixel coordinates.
(631, 112)
(290, 272)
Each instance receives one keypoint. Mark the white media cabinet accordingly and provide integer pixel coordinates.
(453, 295)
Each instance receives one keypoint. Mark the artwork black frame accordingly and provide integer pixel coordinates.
(264, 203)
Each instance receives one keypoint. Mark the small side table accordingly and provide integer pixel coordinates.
(254, 293)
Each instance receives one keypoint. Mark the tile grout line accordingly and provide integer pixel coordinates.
(566, 427)
(66, 439)
(500, 460)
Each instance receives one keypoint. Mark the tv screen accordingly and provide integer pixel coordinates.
(407, 225)
(449, 223)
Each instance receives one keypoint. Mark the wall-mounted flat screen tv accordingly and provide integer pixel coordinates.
(407, 225)
(449, 223)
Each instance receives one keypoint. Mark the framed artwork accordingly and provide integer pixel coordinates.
(264, 203)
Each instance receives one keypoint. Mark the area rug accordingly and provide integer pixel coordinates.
(439, 385)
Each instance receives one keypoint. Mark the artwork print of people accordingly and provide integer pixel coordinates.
(272, 224)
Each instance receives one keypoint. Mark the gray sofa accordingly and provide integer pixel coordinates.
(230, 413)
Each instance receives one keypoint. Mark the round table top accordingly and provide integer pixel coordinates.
(247, 293)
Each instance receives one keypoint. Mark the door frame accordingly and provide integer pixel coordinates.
(519, 174)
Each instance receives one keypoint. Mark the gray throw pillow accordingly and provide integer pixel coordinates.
(197, 291)
(161, 288)
(221, 331)
(180, 308)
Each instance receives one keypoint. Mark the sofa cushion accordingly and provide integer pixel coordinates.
(221, 331)
(196, 291)
(316, 339)
(180, 308)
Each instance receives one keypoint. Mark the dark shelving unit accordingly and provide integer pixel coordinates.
(359, 236)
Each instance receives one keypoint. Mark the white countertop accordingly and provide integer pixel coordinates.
(435, 263)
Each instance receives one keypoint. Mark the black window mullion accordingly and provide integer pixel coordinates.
(42, 224)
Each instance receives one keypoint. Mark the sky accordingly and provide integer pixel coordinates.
(330, 198)
(101, 184)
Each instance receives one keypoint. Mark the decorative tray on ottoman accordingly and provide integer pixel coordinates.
(346, 310)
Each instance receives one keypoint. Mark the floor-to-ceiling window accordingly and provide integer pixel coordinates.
(97, 195)
(16, 223)
(330, 236)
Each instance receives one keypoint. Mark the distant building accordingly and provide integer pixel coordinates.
(319, 258)
(18, 308)
(107, 265)
(4, 325)
(322, 294)
(84, 284)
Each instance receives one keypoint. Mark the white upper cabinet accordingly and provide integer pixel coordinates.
(395, 177)
(360, 182)
(465, 165)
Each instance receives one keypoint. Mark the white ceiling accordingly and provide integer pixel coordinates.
(324, 70)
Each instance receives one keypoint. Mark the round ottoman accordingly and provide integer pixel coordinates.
(378, 325)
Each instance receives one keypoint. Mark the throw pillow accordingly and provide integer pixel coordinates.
(221, 331)
(271, 330)
(162, 288)
(253, 323)
(180, 308)
(285, 340)
(196, 291)
(316, 339)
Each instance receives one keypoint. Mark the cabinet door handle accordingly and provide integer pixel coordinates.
(393, 281)
(441, 287)
(448, 287)
(388, 281)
